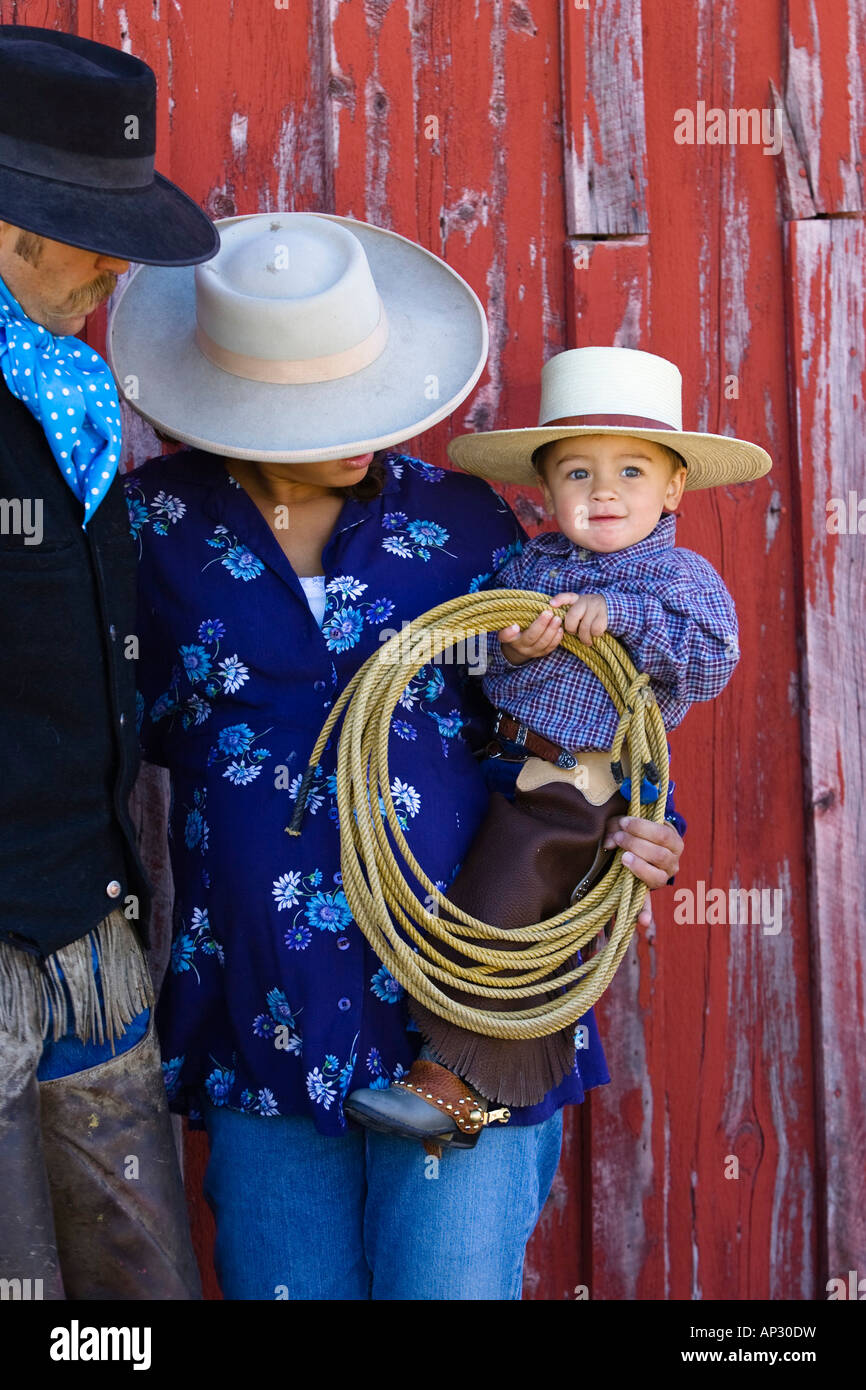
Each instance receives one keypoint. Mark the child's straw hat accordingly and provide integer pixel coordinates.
(610, 390)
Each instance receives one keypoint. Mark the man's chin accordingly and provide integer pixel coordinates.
(68, 325)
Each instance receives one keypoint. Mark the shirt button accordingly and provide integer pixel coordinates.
(344, 1004)
(113, 888)
(343, 943)
(318, 685)
(551, 574)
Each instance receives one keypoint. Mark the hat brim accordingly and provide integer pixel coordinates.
(157, 225)
(712, 459)
(435, 352)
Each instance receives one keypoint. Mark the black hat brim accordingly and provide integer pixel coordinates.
(155, 225)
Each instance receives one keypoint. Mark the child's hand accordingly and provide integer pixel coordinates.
(587, 616)
(538, 639)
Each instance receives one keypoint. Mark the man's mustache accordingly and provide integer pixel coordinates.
(87, 298)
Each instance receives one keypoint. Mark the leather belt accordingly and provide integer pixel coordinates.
(527, 738)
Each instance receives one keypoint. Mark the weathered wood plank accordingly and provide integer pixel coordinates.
(707, 1026)
(607, 289)
(42, 14)
(827, 326)
(603, 129)
(825, 96)
(794, 192)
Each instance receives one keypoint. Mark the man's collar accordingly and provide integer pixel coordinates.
(662, 537)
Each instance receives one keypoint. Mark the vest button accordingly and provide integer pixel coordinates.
(122, 719)
(113, 889)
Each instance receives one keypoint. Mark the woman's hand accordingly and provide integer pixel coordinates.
(651, 851)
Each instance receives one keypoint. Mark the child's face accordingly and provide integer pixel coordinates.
(607, 491)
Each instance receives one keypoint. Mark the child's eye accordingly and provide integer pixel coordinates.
(631, 470)
(577, 473)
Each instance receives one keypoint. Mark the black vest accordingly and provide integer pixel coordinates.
(68, 745)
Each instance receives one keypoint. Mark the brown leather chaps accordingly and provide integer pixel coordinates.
(522, 867)
(91, 1198)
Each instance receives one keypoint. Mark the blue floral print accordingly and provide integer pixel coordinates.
(238, 559)
(413, 538)
(219, 1084)
(499, 557)
(426, 471)
(330, 1082)
(279, 1024)
(404, 730)
(196, 831)
(385, 987)
(380, 1078)
(200, 667)
(171, 1075)
(199, 937)
(343, 625)
(235, 746)
(326, 911)
(162, 511)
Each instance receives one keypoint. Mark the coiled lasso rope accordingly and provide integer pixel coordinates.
(401, 929)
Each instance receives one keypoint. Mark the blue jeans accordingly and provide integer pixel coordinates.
(370, 1216)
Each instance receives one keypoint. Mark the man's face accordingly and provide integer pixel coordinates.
(608, 491)
(55, 284)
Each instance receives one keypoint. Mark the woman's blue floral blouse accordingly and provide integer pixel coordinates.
(274, 1003)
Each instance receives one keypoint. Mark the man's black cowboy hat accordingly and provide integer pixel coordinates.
(77, 142)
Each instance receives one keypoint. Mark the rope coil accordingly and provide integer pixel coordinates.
(401, 929)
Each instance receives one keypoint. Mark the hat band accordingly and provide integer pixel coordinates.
(640, 422)
(67, 166)
(299, 371)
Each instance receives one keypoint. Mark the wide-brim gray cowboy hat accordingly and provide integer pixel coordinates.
(308, 337)
(77, 143)
(610, 390)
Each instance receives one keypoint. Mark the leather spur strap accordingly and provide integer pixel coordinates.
(444, 1090)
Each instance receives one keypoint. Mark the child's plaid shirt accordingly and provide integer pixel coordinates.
(667, 606)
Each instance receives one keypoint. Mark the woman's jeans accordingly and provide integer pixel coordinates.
(370, 1216)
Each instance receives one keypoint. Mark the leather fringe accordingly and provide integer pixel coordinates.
(50, 998)
(509, 1073)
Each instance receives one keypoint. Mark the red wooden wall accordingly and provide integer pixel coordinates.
(725, 1160)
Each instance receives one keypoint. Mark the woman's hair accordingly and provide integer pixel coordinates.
(372, 482)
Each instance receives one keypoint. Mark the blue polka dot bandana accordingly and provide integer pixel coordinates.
(71, 392)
